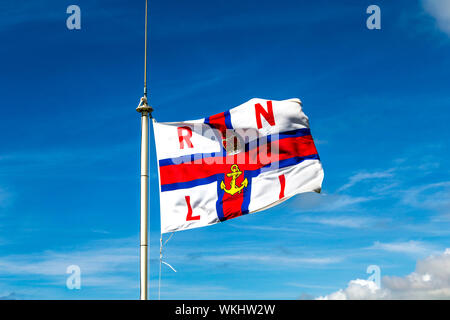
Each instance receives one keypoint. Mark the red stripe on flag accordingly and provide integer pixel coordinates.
(231, 204)
(218, 122)
(251, 160)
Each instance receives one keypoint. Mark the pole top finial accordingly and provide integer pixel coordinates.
(144, 107)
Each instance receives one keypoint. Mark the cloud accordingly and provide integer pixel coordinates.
(362, 176)
(314, 202)
(106, 264)
(342, 221)
(430, 280)
(275, 260)
(434, 196)
(93, 262)
(408, 247)
(9, 296)
(358, 289)
(264, 228)
(440, 10)
(111, 267)
(308, 286)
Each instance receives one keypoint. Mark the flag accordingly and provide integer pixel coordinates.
(237, 162)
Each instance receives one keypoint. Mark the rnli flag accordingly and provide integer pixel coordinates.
(237, 162)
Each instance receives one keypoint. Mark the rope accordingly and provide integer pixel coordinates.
(161, 246)
(160, 260)
(169, 238)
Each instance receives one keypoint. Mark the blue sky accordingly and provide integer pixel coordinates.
(378, 102)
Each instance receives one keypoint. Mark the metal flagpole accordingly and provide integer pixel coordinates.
(146, 112)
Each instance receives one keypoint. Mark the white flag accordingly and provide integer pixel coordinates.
(240, 161)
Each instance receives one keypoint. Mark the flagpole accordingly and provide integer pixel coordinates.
(146, 112)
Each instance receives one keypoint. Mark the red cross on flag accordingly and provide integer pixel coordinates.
(237, 162)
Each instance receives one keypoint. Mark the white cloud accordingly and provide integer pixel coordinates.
(328, 202)
(54, 264)
(101, 266)
(340, 202)
(430, 280)
(342, 221)
(440, 10)
(358, 289)
(408, 247)
(435, 196)
(282, 261)
(362, 176)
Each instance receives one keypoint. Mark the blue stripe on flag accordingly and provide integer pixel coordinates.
(228, 120)
(247, 192)
(220, 194)
(251, 173)
(188, 184)
(190, 158)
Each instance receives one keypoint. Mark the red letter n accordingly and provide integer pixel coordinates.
(268, 115)
(185, 137)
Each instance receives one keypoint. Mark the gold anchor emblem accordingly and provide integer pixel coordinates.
(234, 174)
